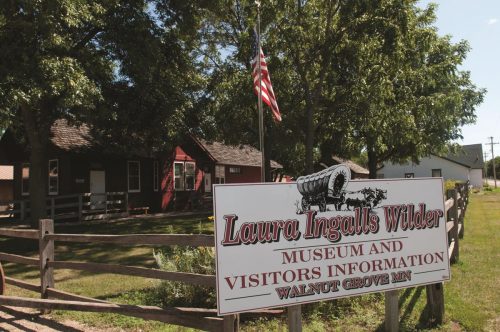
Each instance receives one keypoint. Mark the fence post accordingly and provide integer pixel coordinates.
(80, 207)
(46, 252)
(435, 303)
(453, 215)
(392, 311)
(464, 194)
(22, 206)
(231, 323)
(52, 208)
(294, 318)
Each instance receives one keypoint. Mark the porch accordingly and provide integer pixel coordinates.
(74, 207)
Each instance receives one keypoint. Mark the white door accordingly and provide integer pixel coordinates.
(97, 189)
(208, 182)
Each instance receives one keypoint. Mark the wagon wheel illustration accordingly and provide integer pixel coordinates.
(323, 187)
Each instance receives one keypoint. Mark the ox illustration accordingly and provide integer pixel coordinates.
(328, 187)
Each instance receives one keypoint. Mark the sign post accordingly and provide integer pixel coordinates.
(325, 237)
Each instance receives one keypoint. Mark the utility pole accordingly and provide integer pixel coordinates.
(485, 154)
(493, 158)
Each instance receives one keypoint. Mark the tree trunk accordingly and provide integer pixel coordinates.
(309, 140)
(38, 138)
(38, 183)
(372, 161)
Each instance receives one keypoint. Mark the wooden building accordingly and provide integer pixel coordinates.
(77, 164)
(181, 179)
(197, 164)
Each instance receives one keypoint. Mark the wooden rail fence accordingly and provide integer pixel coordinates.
(52, 298)
(204, 319)
(81, 207)
(456, 203)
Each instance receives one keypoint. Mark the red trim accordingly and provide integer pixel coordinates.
(203, 147)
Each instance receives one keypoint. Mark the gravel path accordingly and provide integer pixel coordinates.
(21, 319)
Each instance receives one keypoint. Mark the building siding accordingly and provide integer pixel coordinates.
(248, 174)
(449, 170)
(476, 178)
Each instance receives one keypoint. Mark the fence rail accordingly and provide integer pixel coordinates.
(84, 206)
(139, 239)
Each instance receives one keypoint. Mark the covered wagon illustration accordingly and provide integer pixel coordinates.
(324, 187)
(328, 187)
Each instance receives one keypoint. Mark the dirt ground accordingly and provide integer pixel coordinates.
(21, 319)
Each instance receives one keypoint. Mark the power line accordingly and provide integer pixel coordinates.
(493, 158)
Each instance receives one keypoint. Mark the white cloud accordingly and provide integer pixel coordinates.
(492, 21)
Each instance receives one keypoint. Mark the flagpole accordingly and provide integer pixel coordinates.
(261, 112)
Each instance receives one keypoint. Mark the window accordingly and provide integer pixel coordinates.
(189, 172)
(436, 173)
(134, 176)
(178, 175)
(409, 175)
(25, 179)
(156, 176)
(184, 175)
(235, 170)
(53, 177)
(220, 174)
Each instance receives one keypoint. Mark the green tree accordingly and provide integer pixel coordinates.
(299, 40)
(350, 76)
(405, 94)
(113, 64)
(489, 167)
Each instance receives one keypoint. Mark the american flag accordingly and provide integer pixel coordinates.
(268, 96)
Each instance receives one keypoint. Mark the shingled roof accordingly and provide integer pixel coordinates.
(352, 165)
(68, 137)
(240, 155)
(468, 155)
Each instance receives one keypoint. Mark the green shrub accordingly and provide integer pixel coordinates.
(450, 184)
(185, 259)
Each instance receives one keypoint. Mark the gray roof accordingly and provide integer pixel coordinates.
(352, 165)
(241, 155)
(468, 155)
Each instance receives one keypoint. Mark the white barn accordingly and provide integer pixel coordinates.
(466, 164)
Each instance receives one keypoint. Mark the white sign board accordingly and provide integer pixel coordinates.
(282, 244)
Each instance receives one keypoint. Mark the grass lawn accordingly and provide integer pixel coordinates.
(472, 297)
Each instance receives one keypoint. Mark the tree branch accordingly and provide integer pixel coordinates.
(88, 37)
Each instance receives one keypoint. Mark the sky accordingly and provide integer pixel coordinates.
(478, 22)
